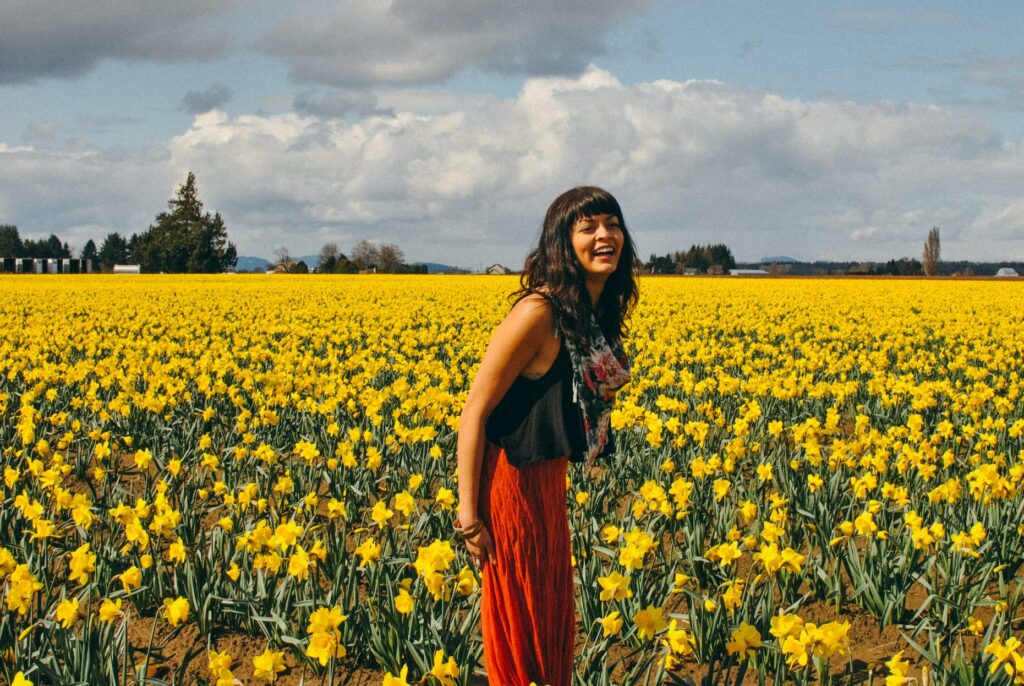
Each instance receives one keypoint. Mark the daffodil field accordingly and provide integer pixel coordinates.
(804, 467)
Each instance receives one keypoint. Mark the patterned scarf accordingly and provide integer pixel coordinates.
(598, 371)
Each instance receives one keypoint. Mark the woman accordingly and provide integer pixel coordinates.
(542, 397)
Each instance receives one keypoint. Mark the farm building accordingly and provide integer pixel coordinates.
(747, 272)
(498, 269)
(127, 269)
(44, 265)
(1007, 271)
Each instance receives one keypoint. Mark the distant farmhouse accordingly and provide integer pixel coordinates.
(127, 269)
(498, 269)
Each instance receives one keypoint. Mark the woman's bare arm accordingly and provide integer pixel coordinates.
(514, 343)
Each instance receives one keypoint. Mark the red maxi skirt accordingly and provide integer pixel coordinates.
(527, 612)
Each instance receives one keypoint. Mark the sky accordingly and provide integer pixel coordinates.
(816, 130)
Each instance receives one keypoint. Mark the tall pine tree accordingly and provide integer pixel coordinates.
(10, 241)
(185, 239)
(113, 250)
(90, 253)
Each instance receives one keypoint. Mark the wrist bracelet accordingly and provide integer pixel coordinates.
(468, 531)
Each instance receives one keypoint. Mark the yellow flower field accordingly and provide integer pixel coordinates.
(816, 481)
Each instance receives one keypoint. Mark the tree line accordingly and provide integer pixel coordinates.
(13, 245)
(183, 239)
(703, 258)
(366, 257)
(187, 239)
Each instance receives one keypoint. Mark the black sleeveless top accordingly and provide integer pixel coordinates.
(538, 420)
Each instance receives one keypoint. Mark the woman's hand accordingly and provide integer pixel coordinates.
(481, 547)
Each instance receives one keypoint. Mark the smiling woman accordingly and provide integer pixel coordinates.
(541, 398)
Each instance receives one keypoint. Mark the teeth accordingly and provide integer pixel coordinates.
(604, 251)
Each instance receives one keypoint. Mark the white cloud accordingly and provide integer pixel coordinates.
(1000, 223)
(81, 194)
(468, 183)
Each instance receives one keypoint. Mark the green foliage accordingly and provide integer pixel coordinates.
(90, 253)
(114, 250)
(185, 239)
(10, 241)
(12, 245)
(699, 257)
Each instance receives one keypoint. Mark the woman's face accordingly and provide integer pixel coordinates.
(597, 241)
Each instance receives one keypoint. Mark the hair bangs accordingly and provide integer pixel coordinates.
(591, 200)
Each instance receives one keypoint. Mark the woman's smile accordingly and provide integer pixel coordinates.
(597, 242)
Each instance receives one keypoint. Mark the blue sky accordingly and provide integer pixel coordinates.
(446, 127)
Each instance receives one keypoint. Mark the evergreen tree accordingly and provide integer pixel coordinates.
(696, 259)
(10, 241)
(114, 250)
(31, 248)
(89, 252)
(329, 255)
(344, 265)
(185, 239)
(660, 265)
(54, 248)
(720, 254)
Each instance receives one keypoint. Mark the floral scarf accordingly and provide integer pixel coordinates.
(598, 371)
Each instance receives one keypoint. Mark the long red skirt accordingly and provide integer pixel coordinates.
(527, 610)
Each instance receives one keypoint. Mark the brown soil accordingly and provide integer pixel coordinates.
(184, 651)
(172, 649)
(870, 647)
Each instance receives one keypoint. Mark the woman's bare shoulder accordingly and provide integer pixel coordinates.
(533, 310)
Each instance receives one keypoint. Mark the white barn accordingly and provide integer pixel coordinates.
(127, 269)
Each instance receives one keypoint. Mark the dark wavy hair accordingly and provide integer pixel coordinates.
(553, 266)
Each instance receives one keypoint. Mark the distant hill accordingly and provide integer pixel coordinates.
(435, 268)
(247, 264)
(781, 259)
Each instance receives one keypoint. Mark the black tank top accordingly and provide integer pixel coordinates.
(537, 419)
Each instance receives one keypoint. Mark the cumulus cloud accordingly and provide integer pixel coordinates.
(691, 162)
(1000, 223)
(416, 41)
(80, 194)
(49, 38)
(198, 102)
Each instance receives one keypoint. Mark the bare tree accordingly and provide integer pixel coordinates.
(930, 261)
(391, 259)
(366, 255)
(284, 259)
